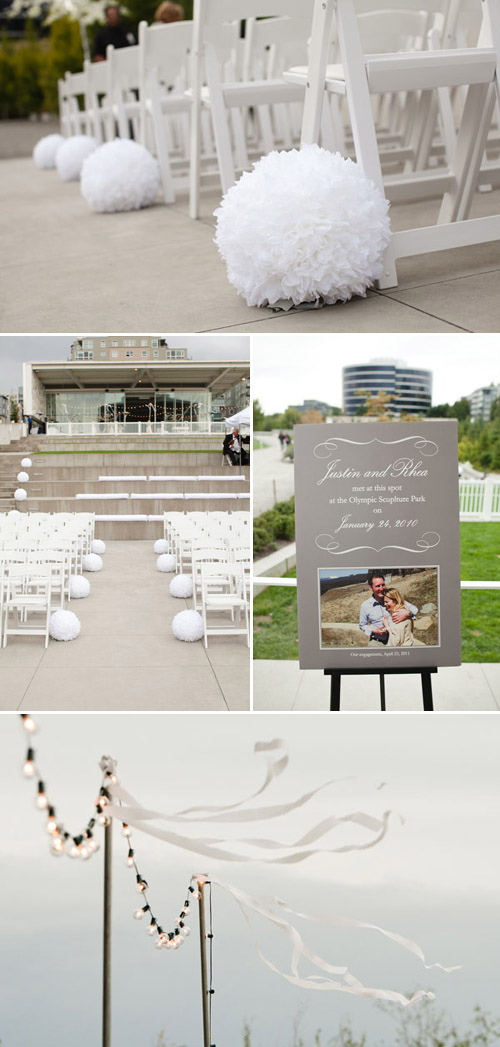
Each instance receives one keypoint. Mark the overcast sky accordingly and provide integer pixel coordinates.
(14, 349)
(289, 369)
(433, 878)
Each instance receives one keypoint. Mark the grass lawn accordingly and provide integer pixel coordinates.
(258, 445)
(275, 610)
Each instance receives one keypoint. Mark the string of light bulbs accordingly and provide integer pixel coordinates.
(83, 845)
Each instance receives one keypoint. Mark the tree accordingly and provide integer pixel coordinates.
(290, 418)
(460, 409)
(376, 404)
(258, 415)
(14, 410)
(495, 410)
(311, 417)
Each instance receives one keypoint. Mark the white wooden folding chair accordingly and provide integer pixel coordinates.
(222, 592)
(211, 18)
(28, 592)
(362, 75)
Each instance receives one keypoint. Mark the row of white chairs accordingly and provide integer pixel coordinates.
(88, 496)
(428, 104)
(172, 478)
(215, 547)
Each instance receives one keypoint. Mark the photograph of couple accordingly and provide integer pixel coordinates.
(375, 607)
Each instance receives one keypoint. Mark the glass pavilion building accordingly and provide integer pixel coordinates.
(93, 397)
(410, 388)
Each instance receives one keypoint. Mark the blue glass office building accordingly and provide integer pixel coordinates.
(410, 387)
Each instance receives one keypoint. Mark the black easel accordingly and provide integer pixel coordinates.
(336, 675)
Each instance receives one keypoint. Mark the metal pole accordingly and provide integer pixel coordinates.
(106, 965)
(204, 976)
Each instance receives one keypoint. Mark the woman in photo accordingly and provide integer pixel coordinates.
(400, 633)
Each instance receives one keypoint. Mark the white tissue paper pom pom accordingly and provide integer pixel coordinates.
(44, 153)
(182, 586)
(304, 226)
(188, 625)
(98, 546)
(79, 587)
(23, 478)
(14, 513)
(92, 562)
(161, 546)
(120, 176)
(26, 463)
(20, 494)
(166, 563)
(64, 625)
(72, 153)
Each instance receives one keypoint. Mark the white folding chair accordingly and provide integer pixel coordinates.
(223, 591)
(361, 75)
(28, 592)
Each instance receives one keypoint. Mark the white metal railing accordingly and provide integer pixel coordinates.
(291, 583)
(480, 499)
(133, 428)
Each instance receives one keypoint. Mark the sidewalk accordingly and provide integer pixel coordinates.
(280, 686)
(126, 657)
(272, 477)
(158, 269)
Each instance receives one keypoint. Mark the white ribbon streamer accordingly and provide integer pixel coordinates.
(299, 950)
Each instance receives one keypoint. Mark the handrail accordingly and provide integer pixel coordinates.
(291, 583)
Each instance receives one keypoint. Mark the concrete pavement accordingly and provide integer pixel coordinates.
(126, 657)
(280, 686)
(272, 477)
(158, 269)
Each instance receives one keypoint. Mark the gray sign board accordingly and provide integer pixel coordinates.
(378, 545)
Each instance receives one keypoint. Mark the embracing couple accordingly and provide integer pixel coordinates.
(385, 617)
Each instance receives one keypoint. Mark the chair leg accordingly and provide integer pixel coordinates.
(471, 144)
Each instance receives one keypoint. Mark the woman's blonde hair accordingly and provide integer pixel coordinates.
(394, 594)
(169, 12)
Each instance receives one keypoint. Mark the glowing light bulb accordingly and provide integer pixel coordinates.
(161, 941)
(129, 860)
(186, 931)
(57, 846)
(196, 895)
(139, 913)
(41, 799)
(126, 830)
(103, 819)
(28, 724)
(29, 765)
(141, 884)
(152, 926)
(51, 822)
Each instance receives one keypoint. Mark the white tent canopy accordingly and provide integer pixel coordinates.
(241, 418)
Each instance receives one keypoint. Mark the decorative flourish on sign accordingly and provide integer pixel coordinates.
(330, 446)
(330, 545)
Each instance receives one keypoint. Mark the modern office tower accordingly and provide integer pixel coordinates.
(409, 389)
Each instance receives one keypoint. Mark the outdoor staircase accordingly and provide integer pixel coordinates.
(10, 466)
(57, 477)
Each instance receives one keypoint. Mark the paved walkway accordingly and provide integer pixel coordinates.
(280, 686)
(158, 269)
(272, 477)
(126, 657)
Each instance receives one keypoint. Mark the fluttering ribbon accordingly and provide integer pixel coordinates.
(124, 807)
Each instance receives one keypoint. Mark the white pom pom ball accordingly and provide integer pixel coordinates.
(120, 176)
(45, 151)
(26, 463)
(20, 495)
(14, 513)
(182, 586)
(71, 155)
(98, 546)
(161, 546)
(188, 626)
(64, 625)
(92, 562)
(166, 563)
(79, 587)
(23, 478)
(303, 226)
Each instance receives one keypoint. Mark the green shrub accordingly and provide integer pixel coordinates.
(276, 523)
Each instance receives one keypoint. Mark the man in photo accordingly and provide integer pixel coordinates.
(373, 611)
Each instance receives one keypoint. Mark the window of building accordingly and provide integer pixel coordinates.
(79, 356)
(88, 343)
(179, 353)
(155, 353)
(154, 343)
(114, 354)
(129, 352)
(114, 341)
(144, 341)
(129, 341)
(103, 343)
(144, 354)
(103, 354)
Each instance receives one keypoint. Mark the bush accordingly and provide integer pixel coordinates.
(276, 523)
(30, 68)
